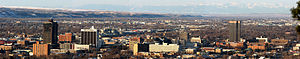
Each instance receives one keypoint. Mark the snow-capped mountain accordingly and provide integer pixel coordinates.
(33, 12)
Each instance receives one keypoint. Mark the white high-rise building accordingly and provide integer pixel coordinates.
(90, 37)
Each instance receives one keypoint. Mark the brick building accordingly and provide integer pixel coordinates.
(41, 49)
(67, 37)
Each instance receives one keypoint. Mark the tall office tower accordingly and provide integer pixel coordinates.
(90, 37)
(235, 31)
(41, 49)
(50, 32)
(183, 35)
(184, 38)
(133, 41)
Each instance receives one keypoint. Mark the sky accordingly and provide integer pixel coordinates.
(165, 6)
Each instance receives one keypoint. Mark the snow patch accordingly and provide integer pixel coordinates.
(48, 8)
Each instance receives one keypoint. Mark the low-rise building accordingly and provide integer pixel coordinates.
(254, 46)
(163, 47)
(81, 47)
(66, 46)
(236, 44)
(189, 51)
(208, 49)
(23, 42)
(41, 49)
(262, 40)
(297, 47)
(196, 39)
(3, 47)
(279, 42)
(187, 56)
(57, 51)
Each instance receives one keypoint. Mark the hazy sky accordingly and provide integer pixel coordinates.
(165, 6)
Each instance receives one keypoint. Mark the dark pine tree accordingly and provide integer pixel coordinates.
(295, 11)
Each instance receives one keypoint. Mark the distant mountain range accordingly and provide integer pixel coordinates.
(31, 12)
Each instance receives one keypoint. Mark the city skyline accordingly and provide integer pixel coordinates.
(143, 37)
(149, 29)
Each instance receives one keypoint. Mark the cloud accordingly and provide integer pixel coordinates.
(211, 4)
(251, 5)
(273, 5)
(233, 3)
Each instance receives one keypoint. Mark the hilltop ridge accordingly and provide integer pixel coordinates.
(33, 12)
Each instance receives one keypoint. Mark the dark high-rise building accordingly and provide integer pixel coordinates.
(143, 47)
(298, 37)
(89, 36)
(140, 48)
(50, 32)
(235, 31)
